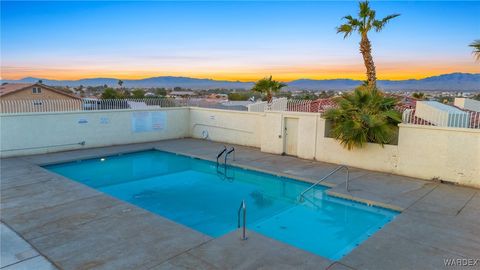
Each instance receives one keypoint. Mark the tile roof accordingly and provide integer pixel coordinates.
(9, 88)
(13, 87)
(322, 104)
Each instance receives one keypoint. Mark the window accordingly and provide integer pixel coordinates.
(37, 103)
(36, 90)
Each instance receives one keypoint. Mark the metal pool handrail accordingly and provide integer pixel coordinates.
(224, 175)
(242, 208)
(230, 151)
(221, 153)
(325, 177)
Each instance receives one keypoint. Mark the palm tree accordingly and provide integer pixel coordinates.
(476, 49)
(364, 116)
(365, 22)
(419, 95)
(268, 86)
(120, 83)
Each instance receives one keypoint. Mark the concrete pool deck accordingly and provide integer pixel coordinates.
(76, 227)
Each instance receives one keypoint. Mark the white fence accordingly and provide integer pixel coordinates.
(20, 106)
(279, 104)
(257, 106)
(460, 119)
(282, 104)
(466, 119)
(66, 105)
(297, 105)
(63, 105)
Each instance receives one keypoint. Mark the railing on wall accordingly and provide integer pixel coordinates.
(283, 104)
(257, 107)
(71, 105)
(465, 119)
(279, 104)
(297, 105)
(294, 105)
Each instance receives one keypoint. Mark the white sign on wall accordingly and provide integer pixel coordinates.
(148, 121)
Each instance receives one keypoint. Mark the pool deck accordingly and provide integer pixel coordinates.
(63, 223)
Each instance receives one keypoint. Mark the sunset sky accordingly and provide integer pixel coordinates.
(231, 40)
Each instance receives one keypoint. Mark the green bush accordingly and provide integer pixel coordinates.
(364, 115)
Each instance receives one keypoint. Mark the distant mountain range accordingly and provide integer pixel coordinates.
(446, 82)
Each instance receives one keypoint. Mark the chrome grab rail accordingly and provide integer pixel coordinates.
(228, 153)
(221, 153)
(325, 177)
(225, 151)
(224, 175)
(242, 208)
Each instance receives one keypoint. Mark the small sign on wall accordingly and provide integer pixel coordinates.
(104, 120)
(149, 121)
(83, 121)
(159, 120)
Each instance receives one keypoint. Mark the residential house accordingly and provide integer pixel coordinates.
(34, 97)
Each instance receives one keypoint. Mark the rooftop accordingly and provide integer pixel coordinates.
(10, 88)
(443, 107)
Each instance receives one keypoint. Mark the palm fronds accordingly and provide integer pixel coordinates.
(365, 115)
(476, 49)
(268, 86)
(365, 22)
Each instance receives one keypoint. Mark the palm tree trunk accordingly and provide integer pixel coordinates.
(366, 50)
(269, 96)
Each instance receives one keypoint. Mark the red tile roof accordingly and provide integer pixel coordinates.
(322, 104)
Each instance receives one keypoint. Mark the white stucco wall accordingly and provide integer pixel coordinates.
(273, 132)
(40, 130)
(236, 127)
(468, 104)
(370, 157)
(450, 154)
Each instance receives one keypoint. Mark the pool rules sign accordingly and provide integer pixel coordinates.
(149, 121)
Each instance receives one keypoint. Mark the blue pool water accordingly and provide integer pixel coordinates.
(195, 193)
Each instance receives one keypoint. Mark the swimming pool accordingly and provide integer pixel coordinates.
(201, 196)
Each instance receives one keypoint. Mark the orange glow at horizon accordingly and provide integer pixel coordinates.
(284, 73)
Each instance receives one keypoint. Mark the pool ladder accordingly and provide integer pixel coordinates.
(227, 152)
(302, 195)
(224, 174)
(221, 153)
(242, 209)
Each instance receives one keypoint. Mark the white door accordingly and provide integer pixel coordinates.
(291, 134)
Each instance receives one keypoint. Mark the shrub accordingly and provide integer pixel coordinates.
(364, 115)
